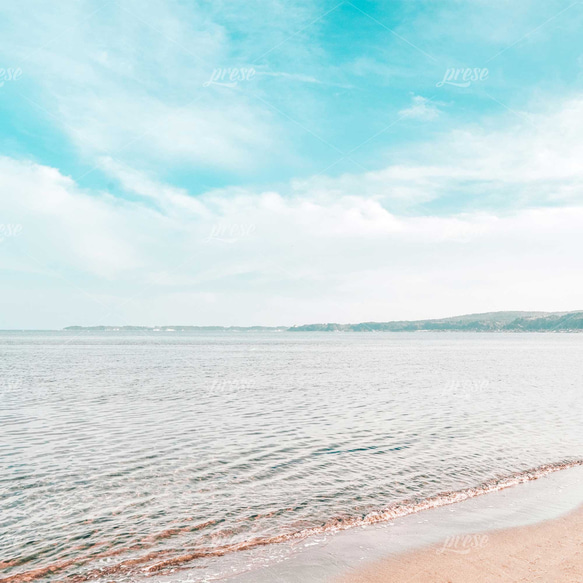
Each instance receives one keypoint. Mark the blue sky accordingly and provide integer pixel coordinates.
(287, 162)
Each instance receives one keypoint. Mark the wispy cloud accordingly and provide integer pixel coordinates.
(302, 78)
(421, 108)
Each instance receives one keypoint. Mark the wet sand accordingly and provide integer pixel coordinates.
(547, 552)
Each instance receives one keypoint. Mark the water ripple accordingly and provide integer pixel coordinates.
(127, 455)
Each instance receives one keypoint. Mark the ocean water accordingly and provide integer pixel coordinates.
(124, 455)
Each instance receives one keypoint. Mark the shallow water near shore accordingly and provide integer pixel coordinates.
(328, 558)
(125, 455)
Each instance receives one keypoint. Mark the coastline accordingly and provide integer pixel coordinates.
(547, 551)
(341, 557)
(458, 525)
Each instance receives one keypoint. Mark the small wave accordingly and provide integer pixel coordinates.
(159, 560)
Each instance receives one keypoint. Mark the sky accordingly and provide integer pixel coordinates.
(282, 162)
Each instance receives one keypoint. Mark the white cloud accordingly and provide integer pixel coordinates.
(172, 200)
(133, 126)
(421, 108)
(534, 160)
(320, 249)
(62, 225)
(310, 256)
(127, 81)
(302, 78)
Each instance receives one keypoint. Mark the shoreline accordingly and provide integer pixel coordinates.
(341, 556)
(447, 536)
(547, 551)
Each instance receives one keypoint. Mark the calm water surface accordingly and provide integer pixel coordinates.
(130, 454)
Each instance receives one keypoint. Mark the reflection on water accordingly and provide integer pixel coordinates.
(142, 453)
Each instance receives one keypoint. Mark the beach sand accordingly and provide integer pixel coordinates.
(547, 552)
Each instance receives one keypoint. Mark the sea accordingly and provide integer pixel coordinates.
(131, 455)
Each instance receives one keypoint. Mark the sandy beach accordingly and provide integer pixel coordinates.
(548, 552)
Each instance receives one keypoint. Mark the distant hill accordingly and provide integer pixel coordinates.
(499, 316)
(487, 322)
